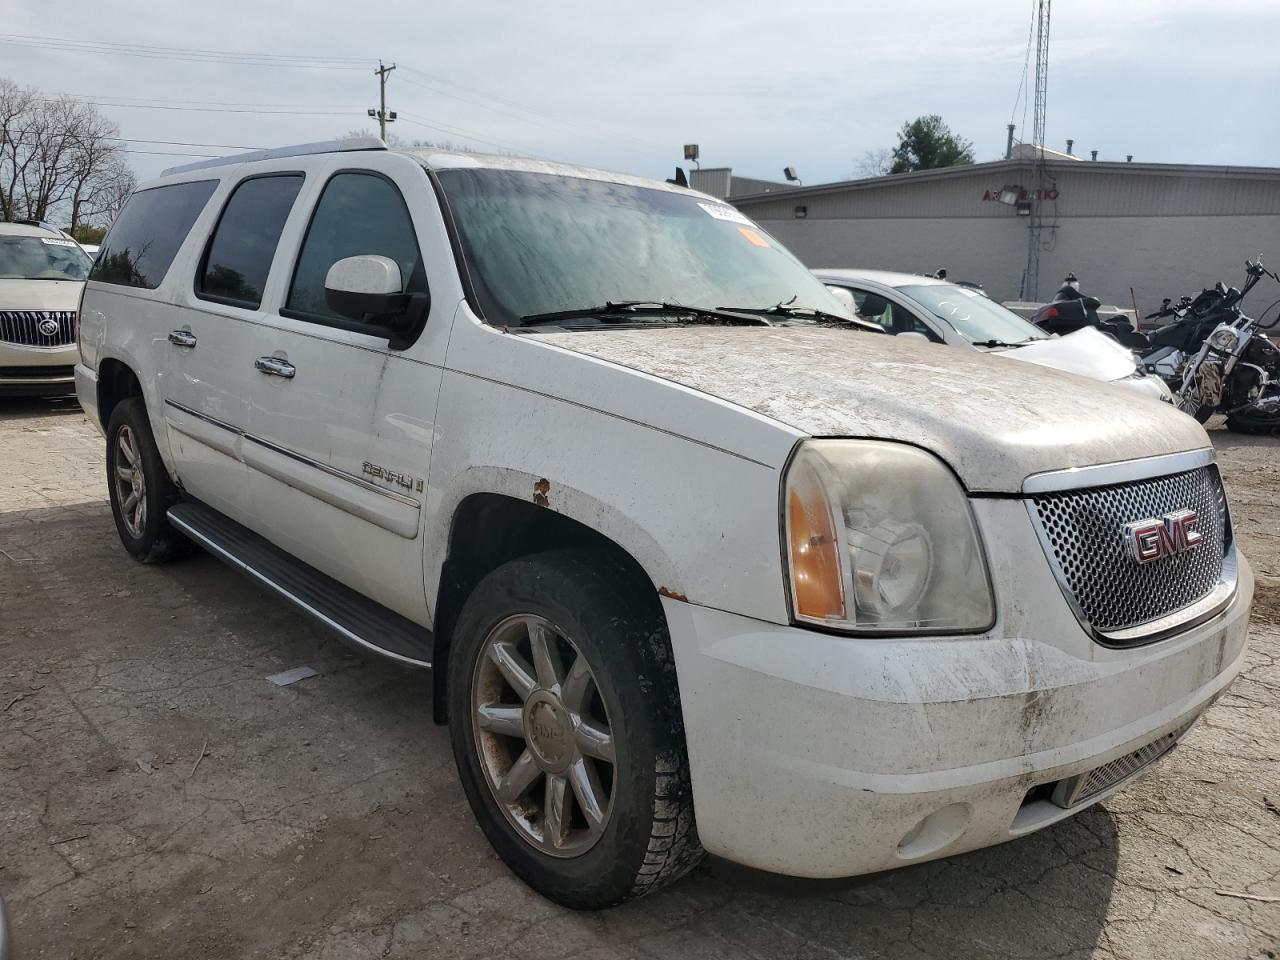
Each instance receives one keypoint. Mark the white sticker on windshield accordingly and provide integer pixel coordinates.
(54, 242)
(721, 212)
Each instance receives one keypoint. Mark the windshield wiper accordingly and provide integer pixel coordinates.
(620, 310)
(808, 313)
(1005, 343)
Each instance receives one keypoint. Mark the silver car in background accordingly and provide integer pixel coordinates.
(945, 312)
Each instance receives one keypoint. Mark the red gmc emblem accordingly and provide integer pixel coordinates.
(1157, 537)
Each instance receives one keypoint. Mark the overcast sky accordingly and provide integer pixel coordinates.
(758, 85)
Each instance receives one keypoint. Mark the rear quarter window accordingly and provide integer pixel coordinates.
(145, 238)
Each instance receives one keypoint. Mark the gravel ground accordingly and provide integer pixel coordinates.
(158, 798)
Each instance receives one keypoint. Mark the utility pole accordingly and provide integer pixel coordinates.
(381, 113)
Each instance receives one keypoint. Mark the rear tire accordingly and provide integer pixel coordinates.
(140, 488)
(530, 744)
(1251, 428)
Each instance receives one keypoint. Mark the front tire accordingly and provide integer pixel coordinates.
(566, 730)
(140, 488)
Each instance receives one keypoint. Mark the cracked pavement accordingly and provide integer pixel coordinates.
(159, 798)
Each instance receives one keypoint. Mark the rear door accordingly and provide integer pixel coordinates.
(341, 422)
(207, 351)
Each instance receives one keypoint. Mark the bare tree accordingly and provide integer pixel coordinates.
(17, 107)
(874, 163)
(58, 157)
(109, 190)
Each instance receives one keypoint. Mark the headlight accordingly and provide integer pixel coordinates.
(1224, 339)
(880, 538)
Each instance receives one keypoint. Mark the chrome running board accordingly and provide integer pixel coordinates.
(356, 619)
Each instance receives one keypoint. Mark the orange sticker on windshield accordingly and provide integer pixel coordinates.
(755, 238)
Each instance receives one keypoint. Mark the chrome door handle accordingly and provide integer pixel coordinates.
(275, 367)
(182, 338)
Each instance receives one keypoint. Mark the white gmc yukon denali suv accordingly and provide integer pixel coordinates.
(700, 562)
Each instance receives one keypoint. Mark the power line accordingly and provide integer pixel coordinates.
(170, 153)
(458, 132)
(182, 143)
(98, 97)
(159, 47)
(191, 109)
(1026, 68)
(520, 112)
(160, 53)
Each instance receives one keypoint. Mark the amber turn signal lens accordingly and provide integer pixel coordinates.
(815, 558)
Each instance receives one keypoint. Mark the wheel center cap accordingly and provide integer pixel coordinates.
(546, 724)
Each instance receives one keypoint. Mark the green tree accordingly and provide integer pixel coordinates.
(87, 233)
(927, 143)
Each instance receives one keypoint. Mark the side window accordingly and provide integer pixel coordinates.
(873, 307)
(905, 320)
(894, 318)
(146, 236)
(358, 214)
(238, 258)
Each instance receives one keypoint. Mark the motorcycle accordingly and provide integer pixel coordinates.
(1071, 310)
(1192, 321)
(1237, 369)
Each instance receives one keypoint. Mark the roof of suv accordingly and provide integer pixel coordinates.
(434, 159)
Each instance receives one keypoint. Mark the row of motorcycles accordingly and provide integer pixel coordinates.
(1214, 357)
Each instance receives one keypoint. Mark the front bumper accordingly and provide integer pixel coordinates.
(819, 755)
(37, 371)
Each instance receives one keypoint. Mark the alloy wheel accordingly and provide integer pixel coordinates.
(543, 736)
(131, 490)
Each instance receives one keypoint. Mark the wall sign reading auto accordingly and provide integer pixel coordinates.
(1046, 193)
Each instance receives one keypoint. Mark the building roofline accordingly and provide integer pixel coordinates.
(1000, 166)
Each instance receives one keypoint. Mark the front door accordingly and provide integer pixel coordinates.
(341, 423)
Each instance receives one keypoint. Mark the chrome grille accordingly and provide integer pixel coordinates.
(1082, 532)
(36, 328)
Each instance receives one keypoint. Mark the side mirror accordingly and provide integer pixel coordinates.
(367, 288)
(913, 335)
(1092, 303)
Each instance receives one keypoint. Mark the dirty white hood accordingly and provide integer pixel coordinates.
(40, 294)
(1085, 352)
(996, 421)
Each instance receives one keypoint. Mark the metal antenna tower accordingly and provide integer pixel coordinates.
(1031, 277)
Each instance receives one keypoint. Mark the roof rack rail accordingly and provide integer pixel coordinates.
(297, 150)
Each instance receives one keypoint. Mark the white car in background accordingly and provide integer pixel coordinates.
(42, 273)
(946, 312)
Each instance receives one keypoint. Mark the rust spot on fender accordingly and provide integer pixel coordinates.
(540, 491)
(673, 595)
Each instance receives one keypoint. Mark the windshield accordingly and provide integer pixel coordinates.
(976, 317)
(540, 243)
(42, 258)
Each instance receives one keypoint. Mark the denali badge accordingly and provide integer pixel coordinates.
(392, 476)
(1157, 537)
(49, 327)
